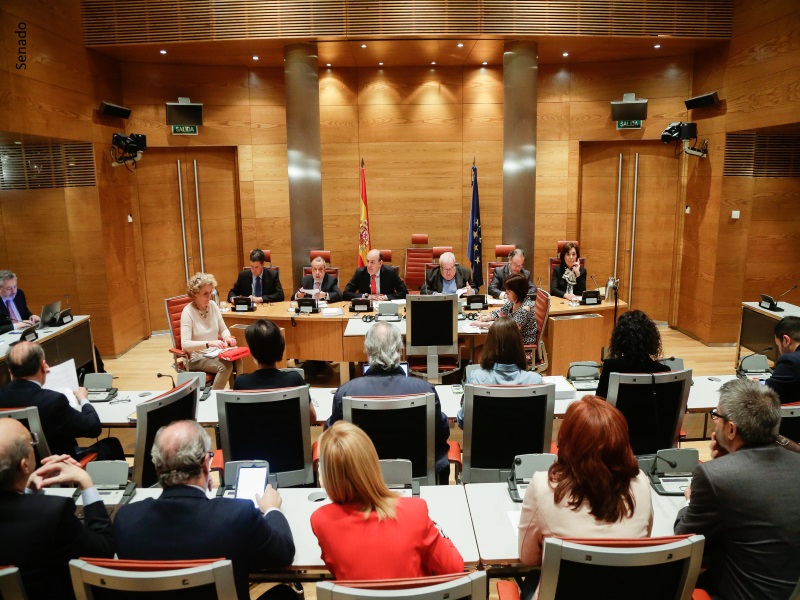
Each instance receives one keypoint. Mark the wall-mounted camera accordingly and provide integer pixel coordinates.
(127, 150)
(684, 132)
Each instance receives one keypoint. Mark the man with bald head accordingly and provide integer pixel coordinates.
(375, 281)
(60, 421)
(448, 278)
(40, 534)
(183, 523)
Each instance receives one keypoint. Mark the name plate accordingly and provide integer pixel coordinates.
(241, 308)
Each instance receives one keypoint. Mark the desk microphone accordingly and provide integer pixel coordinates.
(673, 464)
(741, 360)
(791, 289)
(597, 287)
(539, 279)
(160, 375)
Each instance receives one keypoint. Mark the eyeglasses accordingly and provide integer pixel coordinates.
(449, 269)
(34, 438)
(714, 414)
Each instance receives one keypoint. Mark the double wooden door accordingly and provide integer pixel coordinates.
(172, 184)
(646, 177)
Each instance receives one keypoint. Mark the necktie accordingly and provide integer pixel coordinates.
(257, 287)
(12, 310)
(373, 286)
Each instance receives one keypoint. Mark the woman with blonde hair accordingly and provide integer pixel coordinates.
(202, 329)
(394, 536)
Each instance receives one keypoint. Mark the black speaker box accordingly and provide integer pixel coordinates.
(702, 101)
(112, 110)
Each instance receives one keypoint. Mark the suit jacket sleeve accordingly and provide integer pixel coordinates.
(704, 513)
(273, 291)
(495, 288)
(337, 412)
(397, 290)
(5, 323)
(785, 378)
(92, 538)
(602, 385)
(242, 286)
(83, 423)
(465, 277)
(352, 289)
(22, 306)
(558, 287)
(440, 556)
(330, 285)
(271, 543)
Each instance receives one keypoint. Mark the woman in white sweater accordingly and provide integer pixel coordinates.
(594, 490)
(202, 329)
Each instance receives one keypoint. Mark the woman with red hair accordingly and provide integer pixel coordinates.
(594, 490)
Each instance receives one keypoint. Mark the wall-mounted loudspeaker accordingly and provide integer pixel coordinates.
(112, 110)
(702, 101)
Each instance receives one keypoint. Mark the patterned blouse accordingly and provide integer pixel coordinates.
(525, 317)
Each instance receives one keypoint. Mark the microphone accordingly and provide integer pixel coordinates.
(656, 458)
(597, 287)
(539, 279)
(160, 375)
(744, 358)
(791, 289)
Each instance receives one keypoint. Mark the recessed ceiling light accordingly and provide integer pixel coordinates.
(565, 54)
(363, 45)
(460, 45)
(485, 63)
(380, 64)
(328, 64)
(433, 62)
(255, 58)
(18, 143)
(657, 46)
(163, 51)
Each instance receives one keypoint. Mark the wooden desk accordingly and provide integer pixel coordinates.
(71, 341)
(757, 328)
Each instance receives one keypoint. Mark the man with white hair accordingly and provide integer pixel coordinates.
(384, 345)
(324, 285)
(448, 278)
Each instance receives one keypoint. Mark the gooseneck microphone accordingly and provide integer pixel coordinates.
(160, 375)
(673, 464)
(597, 287)
(741, 360)
(791, 289)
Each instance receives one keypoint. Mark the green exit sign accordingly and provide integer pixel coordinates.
(635, 124)
(184, 130)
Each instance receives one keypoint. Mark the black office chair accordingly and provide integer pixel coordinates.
(501, 422)
(790, 421)
(270, 425)
(653, 405)
(400, 427)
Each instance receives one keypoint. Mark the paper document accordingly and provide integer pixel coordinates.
(332, 312)
(212, 352)
(63, 378)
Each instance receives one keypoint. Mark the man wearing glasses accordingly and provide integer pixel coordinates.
(746, 501)
(39, 533)
(14, 312)
(448, 278)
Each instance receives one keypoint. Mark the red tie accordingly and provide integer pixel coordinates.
(374, 287)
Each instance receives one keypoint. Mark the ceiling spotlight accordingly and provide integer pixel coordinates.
(163, 51)
(433, 62)
(380, 64)
(657, 46)
(363, 45)
(485, 63)
(460, 45)
(327, 64)
(255, 58)
(18, 143)
(565, 54)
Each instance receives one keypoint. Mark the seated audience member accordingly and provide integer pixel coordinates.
(202, 329)
(61, 422)
(370, 532)
(40, 534)
(376, 282)
(635, 348)
(258, 283)
(518, 306)
(594, 489)
(746, 501)
(384, 346)
(785, 377)
(325, 285)
(514, 265)
(14, 312)
(568, 279)
(448, 278)
(183, 523)
(266, 347)
(502, 361)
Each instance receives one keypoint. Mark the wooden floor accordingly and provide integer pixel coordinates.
(138, 370)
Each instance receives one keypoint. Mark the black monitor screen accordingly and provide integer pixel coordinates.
(177, 410)
(184, 114)
(398, 434)
(432, 322)
(270, 431)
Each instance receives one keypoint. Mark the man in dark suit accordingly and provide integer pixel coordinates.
(14, 312)
(183, 523)
(61, 422)
(257, 282)
(448, 278)
(325, 286)
(785, 378)
(266, 347)
(516, 259)
(746, 502)
(41, 533)
(376, 282)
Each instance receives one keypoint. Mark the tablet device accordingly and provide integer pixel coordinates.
(251, 481)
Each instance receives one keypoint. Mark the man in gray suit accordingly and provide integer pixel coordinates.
(746, 502)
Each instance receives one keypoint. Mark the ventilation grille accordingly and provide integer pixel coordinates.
(106, 22)
(36, 167)
(762, 155)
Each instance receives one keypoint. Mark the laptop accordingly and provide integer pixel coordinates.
(49, 312)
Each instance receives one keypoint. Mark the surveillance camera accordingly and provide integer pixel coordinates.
(127, 150)
(684, 132)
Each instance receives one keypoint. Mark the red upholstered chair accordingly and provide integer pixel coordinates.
(174, 307)
(386, 257)
(326, 256)
(541, 311)
(416, 259)
(439, 250)
(268, 257)
(211, 577)
(501, 252)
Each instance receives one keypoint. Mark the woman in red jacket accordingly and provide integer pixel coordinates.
(370, 532)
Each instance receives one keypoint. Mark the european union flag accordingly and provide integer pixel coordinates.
(474, 238)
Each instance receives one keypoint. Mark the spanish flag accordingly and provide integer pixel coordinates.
(364, 245)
